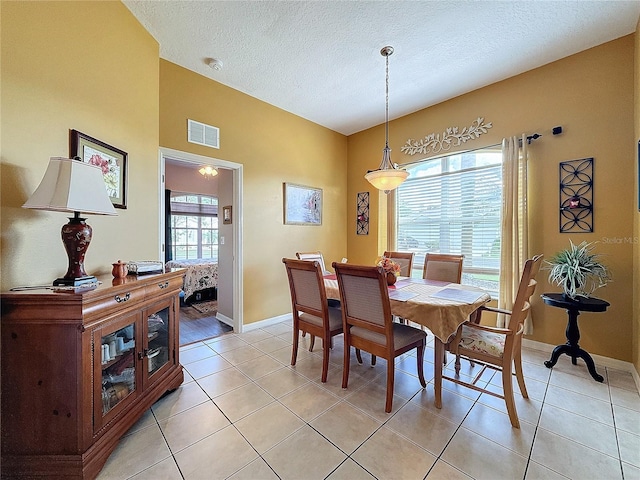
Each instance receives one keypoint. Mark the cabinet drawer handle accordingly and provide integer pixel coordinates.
(120, 299)
(163, 285)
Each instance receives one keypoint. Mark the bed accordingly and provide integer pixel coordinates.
(202, 273)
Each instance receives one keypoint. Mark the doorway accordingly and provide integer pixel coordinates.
(230, 291)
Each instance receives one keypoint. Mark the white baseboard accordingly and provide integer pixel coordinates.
(267, 322)
(224, 319)
(599, 359)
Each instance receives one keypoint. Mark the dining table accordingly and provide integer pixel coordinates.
(440, 306)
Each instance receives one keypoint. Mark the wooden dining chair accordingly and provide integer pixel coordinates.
(313, 257)
(499, 348)
(443, 267)
(404, 259)
(310, 309)
(368, 324)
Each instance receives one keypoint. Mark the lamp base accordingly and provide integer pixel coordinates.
(74, 282)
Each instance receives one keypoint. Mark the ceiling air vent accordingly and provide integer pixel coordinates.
(203, 134)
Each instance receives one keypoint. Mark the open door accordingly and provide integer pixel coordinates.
(230, 293)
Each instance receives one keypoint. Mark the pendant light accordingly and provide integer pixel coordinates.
(387, 177)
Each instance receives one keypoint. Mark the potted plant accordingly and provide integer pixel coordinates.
(578, 270)
(391, 268)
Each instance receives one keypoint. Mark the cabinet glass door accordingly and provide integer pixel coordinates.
(159, 322)
(116, 352)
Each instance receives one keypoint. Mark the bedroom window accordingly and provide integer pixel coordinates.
(194, 226)
(452, 205)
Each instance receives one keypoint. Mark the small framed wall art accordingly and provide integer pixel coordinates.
(302, 205)
(111, 160)
(226, 215)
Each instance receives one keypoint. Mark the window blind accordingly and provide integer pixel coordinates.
(452, 205)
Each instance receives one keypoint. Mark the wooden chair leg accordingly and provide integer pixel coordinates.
(390, 375)
(325, 360)
(420, 359)
(507, 388)
(347, 360)
(358, 355)
(294, 350)
(517, 361)
(312, 342)
(373, 360)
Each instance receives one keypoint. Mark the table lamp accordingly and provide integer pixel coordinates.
(73, 186)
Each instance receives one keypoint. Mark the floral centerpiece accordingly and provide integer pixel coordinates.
(391, 268)
(578, 270)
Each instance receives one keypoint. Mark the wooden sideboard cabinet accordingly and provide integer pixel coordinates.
(79, 369)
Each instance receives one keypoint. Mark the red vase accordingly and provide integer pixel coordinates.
(391, 278)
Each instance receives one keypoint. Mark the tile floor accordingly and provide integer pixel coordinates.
(244, 413)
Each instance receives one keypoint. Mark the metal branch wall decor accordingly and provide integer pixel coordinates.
(451, 137)
(362, 213)
(576, 196)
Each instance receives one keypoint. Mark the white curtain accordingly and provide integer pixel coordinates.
(515, 225)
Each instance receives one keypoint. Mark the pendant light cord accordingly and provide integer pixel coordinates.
(386, 117)
(387, 177)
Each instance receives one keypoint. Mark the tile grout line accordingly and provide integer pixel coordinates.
(535, 432)
(379, 427)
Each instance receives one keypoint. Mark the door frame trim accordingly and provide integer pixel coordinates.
(238, 292)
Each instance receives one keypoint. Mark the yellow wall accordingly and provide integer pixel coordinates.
(88, 66)
(636, 215)
(591, 95)
(274, 147)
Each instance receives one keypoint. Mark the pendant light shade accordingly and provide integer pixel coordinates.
(387, 177)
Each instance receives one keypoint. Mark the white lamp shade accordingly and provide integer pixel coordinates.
(72, 186)
(386, 179)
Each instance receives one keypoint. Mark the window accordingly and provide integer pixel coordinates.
(194, 226)
(452, 205)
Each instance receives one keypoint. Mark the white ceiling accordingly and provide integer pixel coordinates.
(321, 59)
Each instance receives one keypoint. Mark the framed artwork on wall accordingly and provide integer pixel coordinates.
(302, 205)
(226, 215)
(111, 160)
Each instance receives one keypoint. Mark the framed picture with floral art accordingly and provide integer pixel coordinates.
(111, 160)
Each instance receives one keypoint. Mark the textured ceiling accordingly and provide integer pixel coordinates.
(321, 59)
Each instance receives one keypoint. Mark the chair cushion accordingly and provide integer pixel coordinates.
(482, 341)
(335, 318)
(403, 335)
